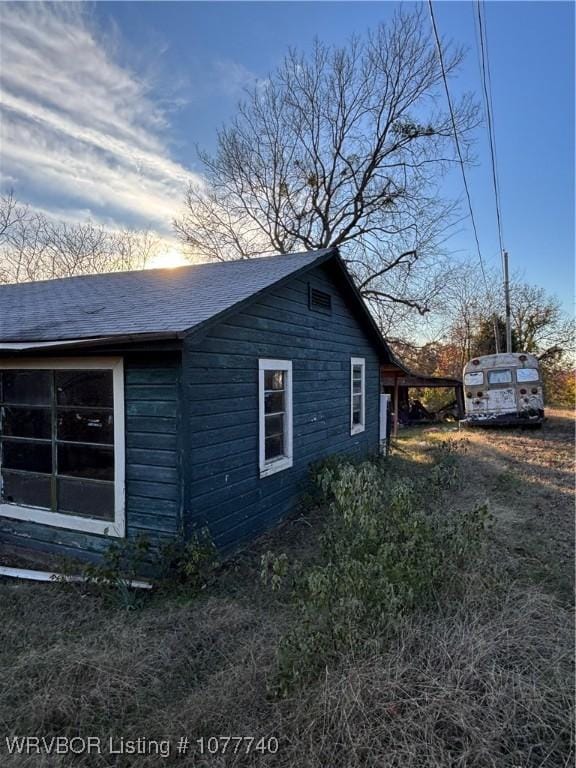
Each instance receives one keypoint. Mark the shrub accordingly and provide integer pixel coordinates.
(189, 563)
(122, 563)
(382, 553)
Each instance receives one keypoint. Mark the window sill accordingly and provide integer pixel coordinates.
(357, 430)
(275, 466)
(59, 520)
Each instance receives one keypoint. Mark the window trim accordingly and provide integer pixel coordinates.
(117, 527)
(284, 462)
(356, 429)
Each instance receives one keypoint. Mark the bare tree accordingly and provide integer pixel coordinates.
(35, 247)
(471, 305)
(344, 147)
(539, 322)
(11, 213)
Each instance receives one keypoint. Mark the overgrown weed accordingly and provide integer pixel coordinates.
(388, 546)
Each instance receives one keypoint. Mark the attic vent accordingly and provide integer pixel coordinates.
(320, 301)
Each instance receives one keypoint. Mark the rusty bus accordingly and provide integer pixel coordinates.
(503, 389)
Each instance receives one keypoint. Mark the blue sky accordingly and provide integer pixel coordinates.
(103, 106)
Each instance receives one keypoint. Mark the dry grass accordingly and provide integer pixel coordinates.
(477, 687)
(483, 683)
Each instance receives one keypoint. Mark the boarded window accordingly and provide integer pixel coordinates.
(57, 440)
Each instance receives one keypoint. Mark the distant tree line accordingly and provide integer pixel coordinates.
(34, 246)
(466, 330)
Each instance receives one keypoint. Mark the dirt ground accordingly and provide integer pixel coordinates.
(482, 684)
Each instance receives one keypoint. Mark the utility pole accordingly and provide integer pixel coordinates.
(507, 301)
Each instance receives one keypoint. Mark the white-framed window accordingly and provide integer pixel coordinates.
(62, 443)
(357, 395)
(275, 415)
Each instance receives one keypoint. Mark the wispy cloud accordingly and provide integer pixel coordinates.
(233, 78)
(79, 125)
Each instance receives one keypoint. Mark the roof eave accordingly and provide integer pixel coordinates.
(17, 347)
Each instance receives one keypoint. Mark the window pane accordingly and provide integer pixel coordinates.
(27, 387)
(84, 388)
(26, 488)
(85, 498)
(274, 379)
(27, 422)
(474, 378)
(274, 425)
(357, 387)
(526, 374)
(357, 372)
(86, 461)
(273, 402)
(20, 454)
(357, 409)
(274, 447)
(499, 377)
(86, 426)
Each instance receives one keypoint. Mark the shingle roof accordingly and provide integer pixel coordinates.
(144, 302)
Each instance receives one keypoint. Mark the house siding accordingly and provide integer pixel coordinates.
(153, 499)
(223, 489)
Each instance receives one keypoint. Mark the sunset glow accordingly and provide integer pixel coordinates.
(172, 257)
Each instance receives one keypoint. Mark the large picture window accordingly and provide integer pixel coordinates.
(275, 415)
(62, 443)
(357, 395)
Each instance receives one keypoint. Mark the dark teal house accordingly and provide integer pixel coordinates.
(157, 401)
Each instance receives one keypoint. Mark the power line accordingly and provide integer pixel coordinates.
(460, 158)
(487, 87)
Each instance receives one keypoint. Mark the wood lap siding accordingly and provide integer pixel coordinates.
(192, 428)
(152, 450)
(220, 388)
(153, 503)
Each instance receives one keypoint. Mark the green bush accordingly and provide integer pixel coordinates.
(190, 563)
(121, 564)
(383, 552)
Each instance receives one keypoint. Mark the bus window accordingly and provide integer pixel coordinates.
(474, 379)
(499, 377)
(526, 374)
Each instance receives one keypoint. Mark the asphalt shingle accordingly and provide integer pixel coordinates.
(147, 301)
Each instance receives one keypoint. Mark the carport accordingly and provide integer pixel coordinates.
(396, 383)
